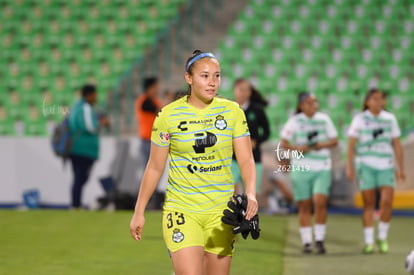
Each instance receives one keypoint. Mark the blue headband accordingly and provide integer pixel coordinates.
(198, 57)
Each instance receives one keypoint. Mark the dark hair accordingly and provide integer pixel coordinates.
(190, 69)
(256, 96)
(148, 82)
(368, 96)
(88, 89)
(301, 97)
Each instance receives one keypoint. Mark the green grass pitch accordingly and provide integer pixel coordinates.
(68, 242)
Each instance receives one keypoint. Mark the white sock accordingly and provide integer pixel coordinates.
(383, 230)
(319, 230)
(306, 234)
(272, 203)
(369, 235)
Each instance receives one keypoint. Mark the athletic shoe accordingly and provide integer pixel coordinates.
(307, 248)
(368, 249)
(320, 247)
(383, 246)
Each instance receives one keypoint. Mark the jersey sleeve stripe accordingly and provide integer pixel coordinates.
(159, 145)
(244, 135)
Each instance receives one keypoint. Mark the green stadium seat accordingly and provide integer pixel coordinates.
(7, 128)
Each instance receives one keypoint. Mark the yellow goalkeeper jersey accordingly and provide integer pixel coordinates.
(200, 145)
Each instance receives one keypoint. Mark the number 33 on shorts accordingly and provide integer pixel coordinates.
(174, 221)
(178, 219)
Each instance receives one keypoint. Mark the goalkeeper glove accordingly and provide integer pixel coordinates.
(238, 204)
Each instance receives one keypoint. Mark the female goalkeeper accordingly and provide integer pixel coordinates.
(373, 139)
(199, 132)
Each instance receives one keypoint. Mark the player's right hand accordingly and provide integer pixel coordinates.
(136, 226)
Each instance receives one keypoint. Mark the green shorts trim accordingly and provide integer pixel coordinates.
(183, 229)
(307, 183)
(371, 178)
(237, 175)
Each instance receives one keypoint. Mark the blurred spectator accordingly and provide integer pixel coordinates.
(252, 103)
(147, 106)
(84, 129)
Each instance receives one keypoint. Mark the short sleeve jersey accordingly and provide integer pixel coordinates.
(302, 130)
(200, 145)
(374, 135)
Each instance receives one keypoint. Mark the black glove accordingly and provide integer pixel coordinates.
(238, 204)
(254, 227)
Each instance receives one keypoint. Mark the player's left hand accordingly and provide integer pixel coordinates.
(252, 206)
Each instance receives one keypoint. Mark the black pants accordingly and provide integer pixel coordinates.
(81, 167)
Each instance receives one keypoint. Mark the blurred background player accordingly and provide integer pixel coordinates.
(84, 130)
(373, 139)
(311, 133)
(147, 106)
(275, 195)
(253, 104)
(200, 180)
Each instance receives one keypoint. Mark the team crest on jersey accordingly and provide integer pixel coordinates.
(177, 236)
(220, 122)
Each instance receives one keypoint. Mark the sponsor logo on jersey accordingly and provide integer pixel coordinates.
(206, 139)
(203, 169)
(206, 122)
(181, 126)
(211, 168)
(377, 132)
(312, 136)
(220, 122)
(154, 129)
(203, 158)
(201, 121)
(177, 236)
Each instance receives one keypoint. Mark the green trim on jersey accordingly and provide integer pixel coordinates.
(375, 154)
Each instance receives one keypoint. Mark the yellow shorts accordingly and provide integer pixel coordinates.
(183, 230)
